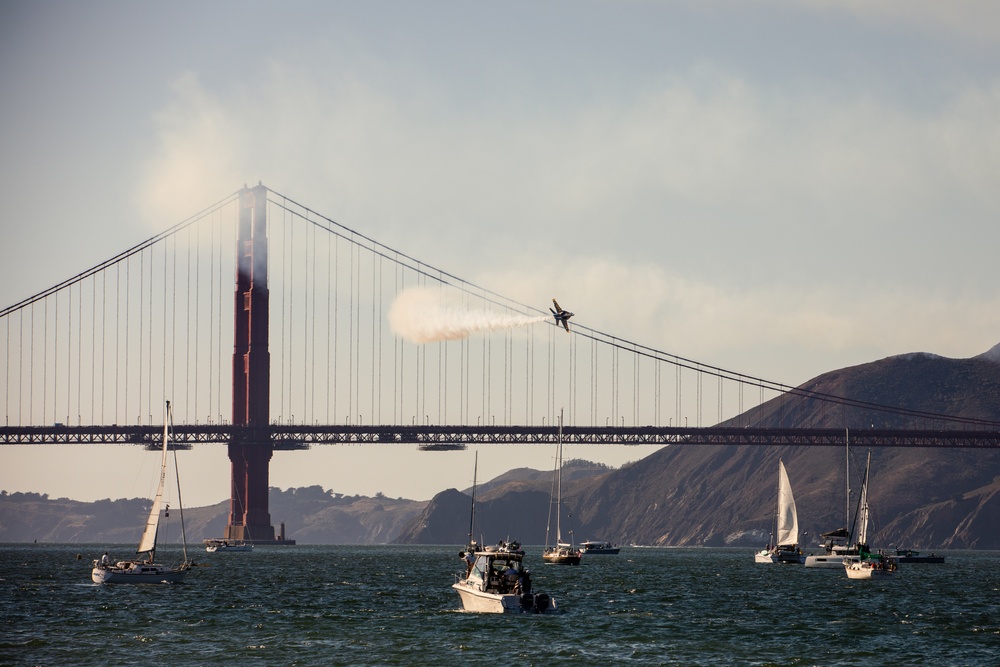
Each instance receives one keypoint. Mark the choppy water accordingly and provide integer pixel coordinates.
(394, 606)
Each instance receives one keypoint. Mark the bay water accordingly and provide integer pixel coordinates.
(393, 605)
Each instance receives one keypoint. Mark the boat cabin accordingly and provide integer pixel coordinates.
(500, 572)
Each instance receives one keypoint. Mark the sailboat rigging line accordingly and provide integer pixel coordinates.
(177, 477)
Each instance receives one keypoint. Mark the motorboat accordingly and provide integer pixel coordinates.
(597, 547)
(497, 582)
(911, 556)
(214, 546)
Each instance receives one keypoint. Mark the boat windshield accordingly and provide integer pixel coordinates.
(498, 564)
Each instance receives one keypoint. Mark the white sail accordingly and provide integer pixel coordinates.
(788, 520)
(863, 513)
(148, 541)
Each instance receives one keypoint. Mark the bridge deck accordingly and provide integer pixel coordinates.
(292, 437)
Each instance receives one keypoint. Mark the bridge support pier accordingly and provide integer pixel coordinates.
(249, 518)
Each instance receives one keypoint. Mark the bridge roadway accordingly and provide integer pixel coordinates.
(297, 436)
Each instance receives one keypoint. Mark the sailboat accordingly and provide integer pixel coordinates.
(866, 565)
(562, 553)
(148, 571)
(784, 548)
(837, 544)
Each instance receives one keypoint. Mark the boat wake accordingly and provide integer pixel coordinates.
(423, 315)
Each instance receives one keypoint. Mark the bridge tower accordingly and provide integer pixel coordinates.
(249, 518)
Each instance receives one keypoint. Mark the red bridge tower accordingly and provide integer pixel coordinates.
(249, 518)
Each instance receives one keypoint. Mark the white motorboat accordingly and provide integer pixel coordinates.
(598, 547)
(496, 582)
(213, 546)
(784, 549)
(147, 571)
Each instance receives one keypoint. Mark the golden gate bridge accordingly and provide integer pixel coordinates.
(314, 361)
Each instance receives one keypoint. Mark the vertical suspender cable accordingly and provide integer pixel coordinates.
(329, 289)
(45, 357)
(104, 338)
(374, 329)
(79, 358)
(336, 318)
(350, 338)
(118, 324)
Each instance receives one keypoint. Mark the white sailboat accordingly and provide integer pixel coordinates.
(784, 549)
(867, 565)
(148, 571)
(562, 553)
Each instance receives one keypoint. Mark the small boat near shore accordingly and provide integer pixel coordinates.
(214, 546)
(598, 547)
(497, 582)
(911, 556)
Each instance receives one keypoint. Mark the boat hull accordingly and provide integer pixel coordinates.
(779, 557)
(868, 569)
(137, 573)
(825, 562)
(475, 600)
(561, 560)
(215, 547)
(916, 557)
(868, 573)
(599, 548)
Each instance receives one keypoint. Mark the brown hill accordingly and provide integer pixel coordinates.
(726, 495)
(311, 516)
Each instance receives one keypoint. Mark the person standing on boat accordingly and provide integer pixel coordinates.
(511, 575)
(470, 559)
(105, 561)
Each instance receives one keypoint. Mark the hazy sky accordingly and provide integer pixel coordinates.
(776, 187)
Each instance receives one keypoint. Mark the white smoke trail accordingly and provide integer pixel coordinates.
(422, 316)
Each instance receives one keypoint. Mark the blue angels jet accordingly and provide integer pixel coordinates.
(562, 316)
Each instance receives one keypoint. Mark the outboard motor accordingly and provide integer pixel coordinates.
(527, 601)
(541, 603)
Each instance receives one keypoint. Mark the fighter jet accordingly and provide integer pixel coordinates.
(562, 316)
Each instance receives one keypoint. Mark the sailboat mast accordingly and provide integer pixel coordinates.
(559, 484)
(847, 476)
(472, 517)
(177, 476)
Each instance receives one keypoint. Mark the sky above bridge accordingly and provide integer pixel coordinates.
(778, 187)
